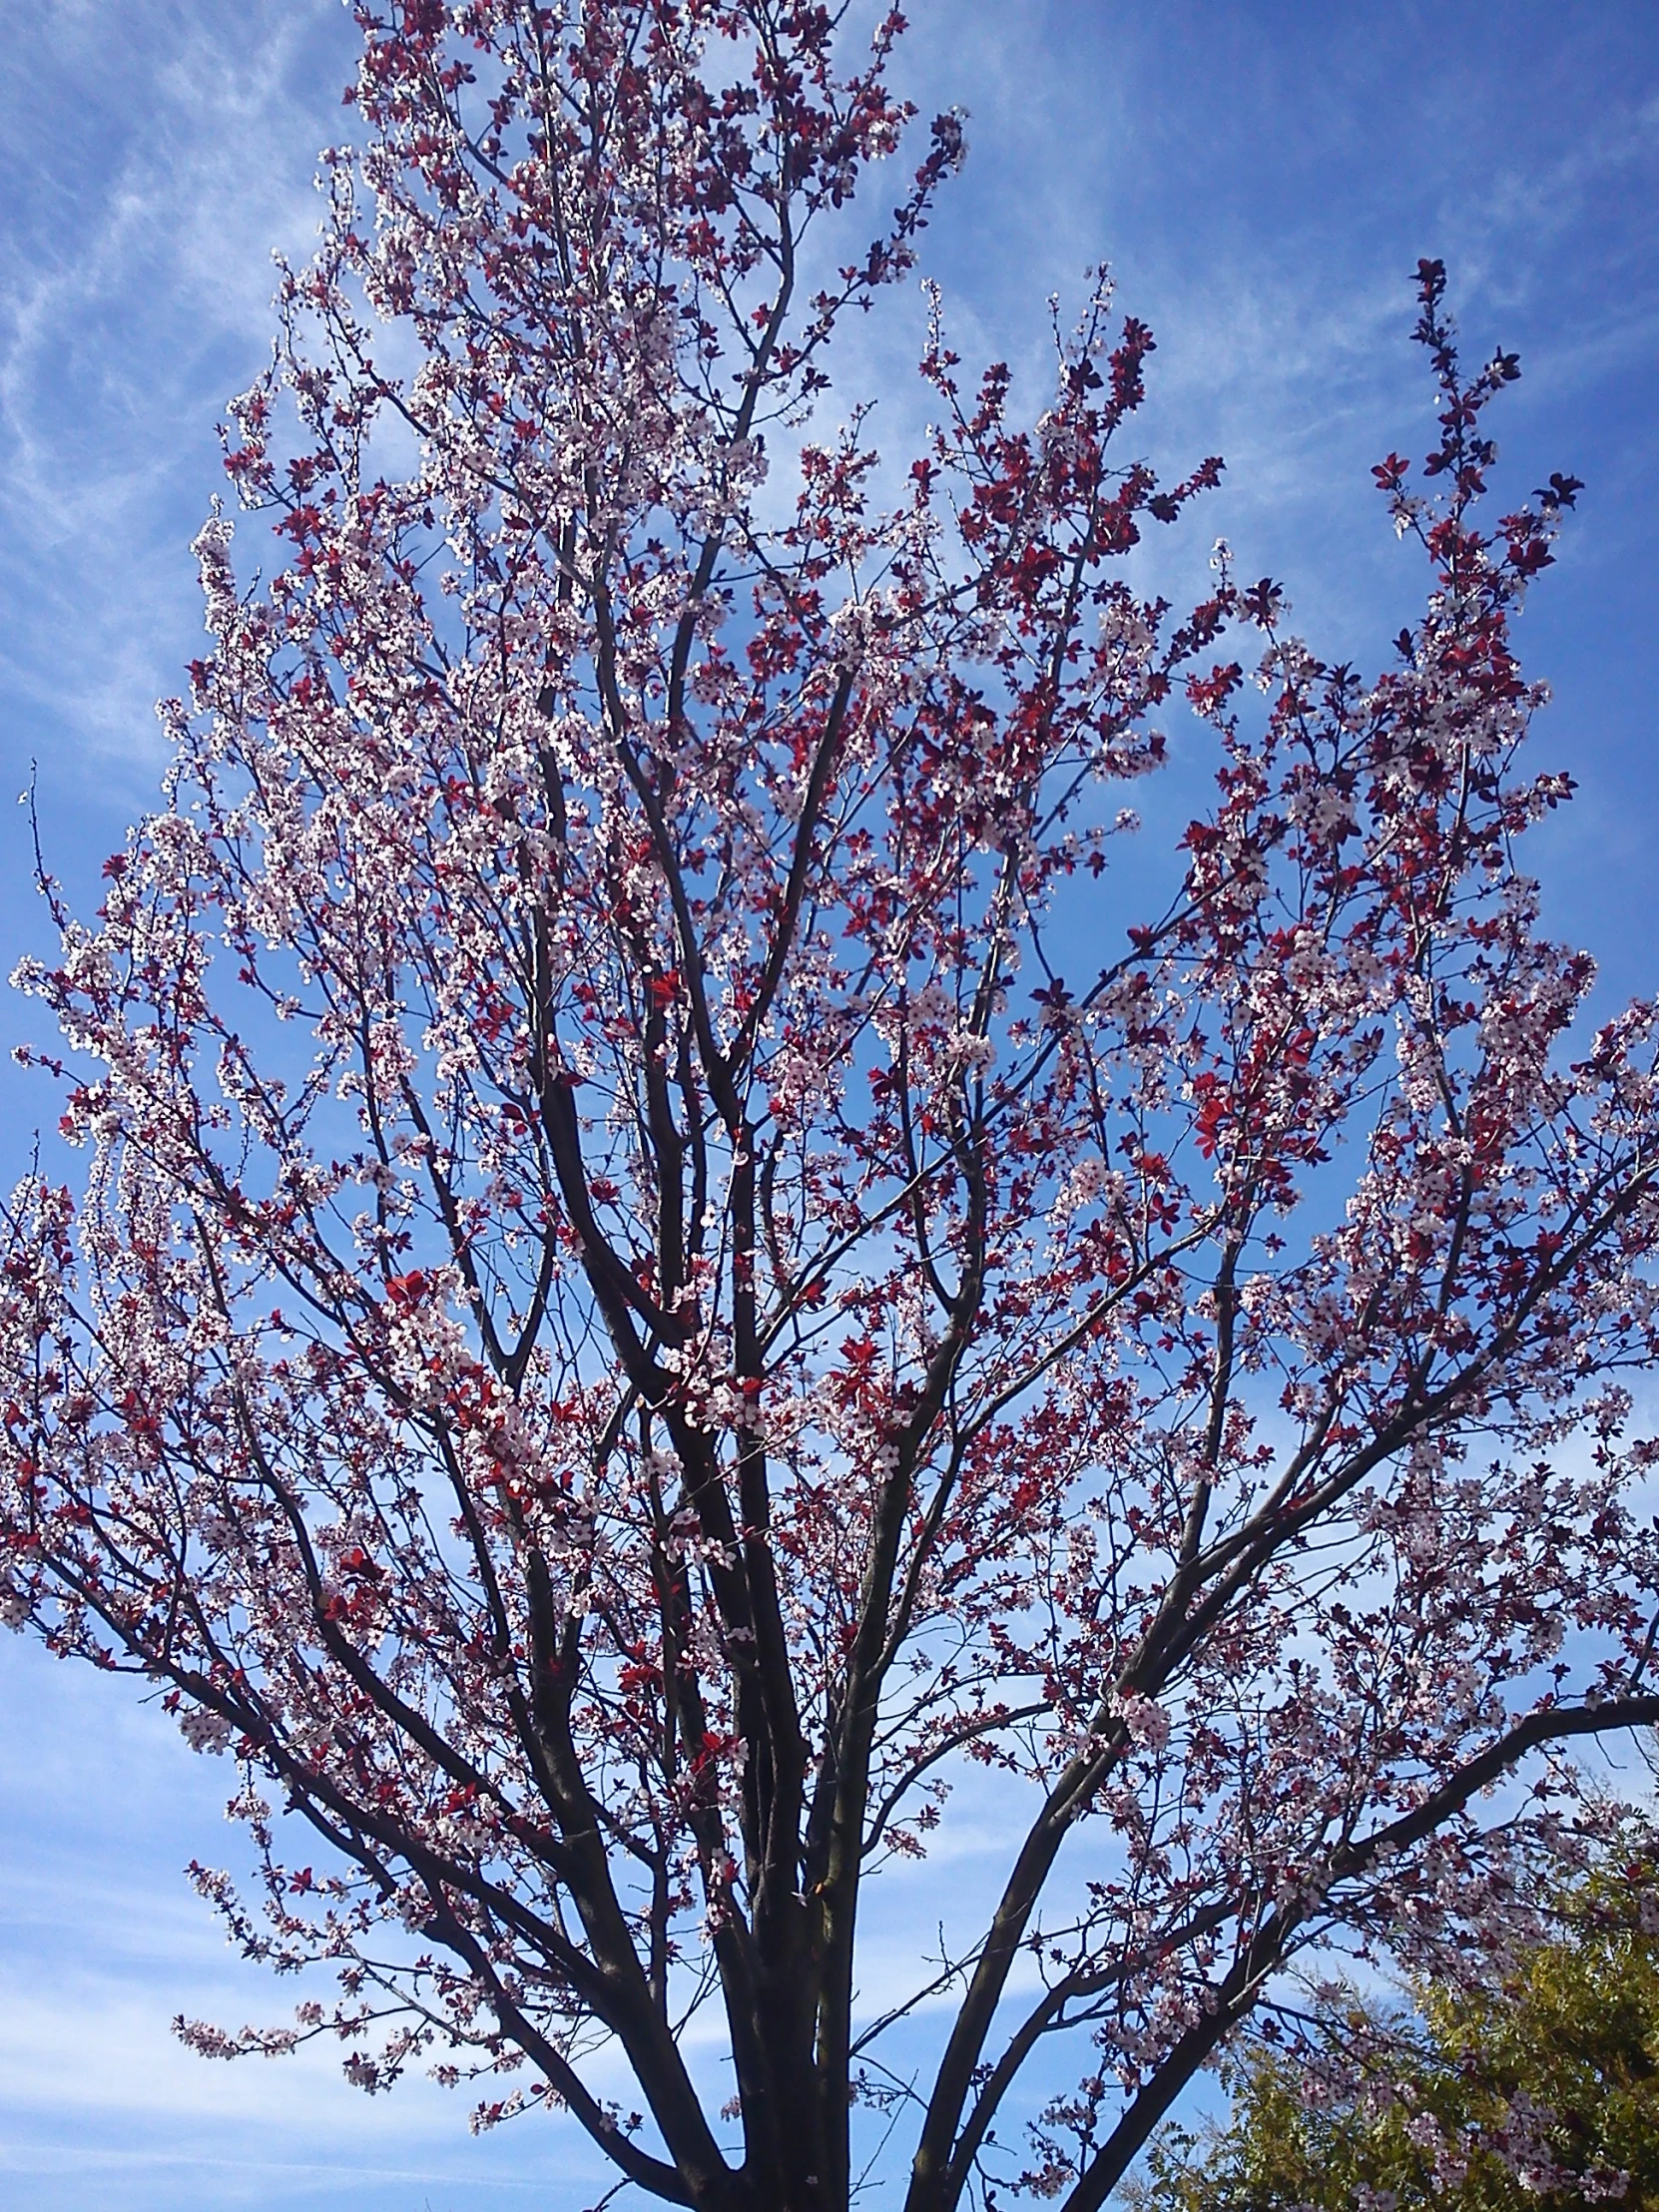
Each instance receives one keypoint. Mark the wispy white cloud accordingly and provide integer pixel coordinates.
(157, 157)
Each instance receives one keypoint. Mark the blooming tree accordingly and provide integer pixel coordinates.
(666, 1265)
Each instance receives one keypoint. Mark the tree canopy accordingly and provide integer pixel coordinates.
(1539, 2088)
(676, 1262)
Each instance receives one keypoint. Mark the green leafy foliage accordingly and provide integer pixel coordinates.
(1540, 2091)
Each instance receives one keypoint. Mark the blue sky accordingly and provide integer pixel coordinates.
(1263, 179)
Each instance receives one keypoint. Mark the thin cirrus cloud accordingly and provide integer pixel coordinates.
(1262, 178)
(154, 157)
